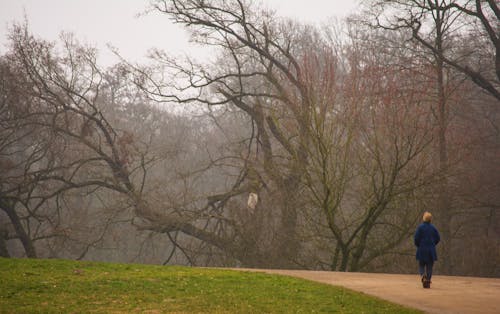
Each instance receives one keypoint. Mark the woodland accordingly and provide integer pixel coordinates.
(296, 146)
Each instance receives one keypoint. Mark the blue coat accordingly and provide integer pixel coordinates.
(426, 237)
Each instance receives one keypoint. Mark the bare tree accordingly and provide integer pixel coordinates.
(440, 29)
(283, 76)
(369, 160)
(26, 153)
(477, 20)
(47, 137)
(67, 89)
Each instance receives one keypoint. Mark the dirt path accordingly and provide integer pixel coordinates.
(447, 294)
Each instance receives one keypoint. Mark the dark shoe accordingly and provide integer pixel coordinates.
(427, 284)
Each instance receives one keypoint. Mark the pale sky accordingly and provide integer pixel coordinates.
(116, 22)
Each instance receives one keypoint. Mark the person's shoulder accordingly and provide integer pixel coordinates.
(427, 226)
(421, 226)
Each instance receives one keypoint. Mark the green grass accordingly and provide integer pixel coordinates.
(61, 286)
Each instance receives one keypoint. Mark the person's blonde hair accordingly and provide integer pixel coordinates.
(427, 217)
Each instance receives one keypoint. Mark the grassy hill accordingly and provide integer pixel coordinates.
(61, 286)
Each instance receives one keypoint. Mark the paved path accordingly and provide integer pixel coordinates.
(447, 294)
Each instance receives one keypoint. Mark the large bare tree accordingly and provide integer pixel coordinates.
(285, 77)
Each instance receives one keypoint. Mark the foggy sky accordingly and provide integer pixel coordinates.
(121, 24)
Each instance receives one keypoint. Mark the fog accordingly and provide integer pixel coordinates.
(248, 134)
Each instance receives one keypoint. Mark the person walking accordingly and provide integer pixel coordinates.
(426, 238)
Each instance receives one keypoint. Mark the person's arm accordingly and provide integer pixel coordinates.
(416, 237)
(436, 236)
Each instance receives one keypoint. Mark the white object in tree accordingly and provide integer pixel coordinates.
(253, 198)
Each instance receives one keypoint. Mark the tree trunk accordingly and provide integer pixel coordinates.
(287, 245)
(335, 259)
(444, 197)
(18, 227)
(345, 260)
(3, 245)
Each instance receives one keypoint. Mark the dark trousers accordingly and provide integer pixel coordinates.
(425, 268)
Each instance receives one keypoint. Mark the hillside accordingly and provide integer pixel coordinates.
(62, 286)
